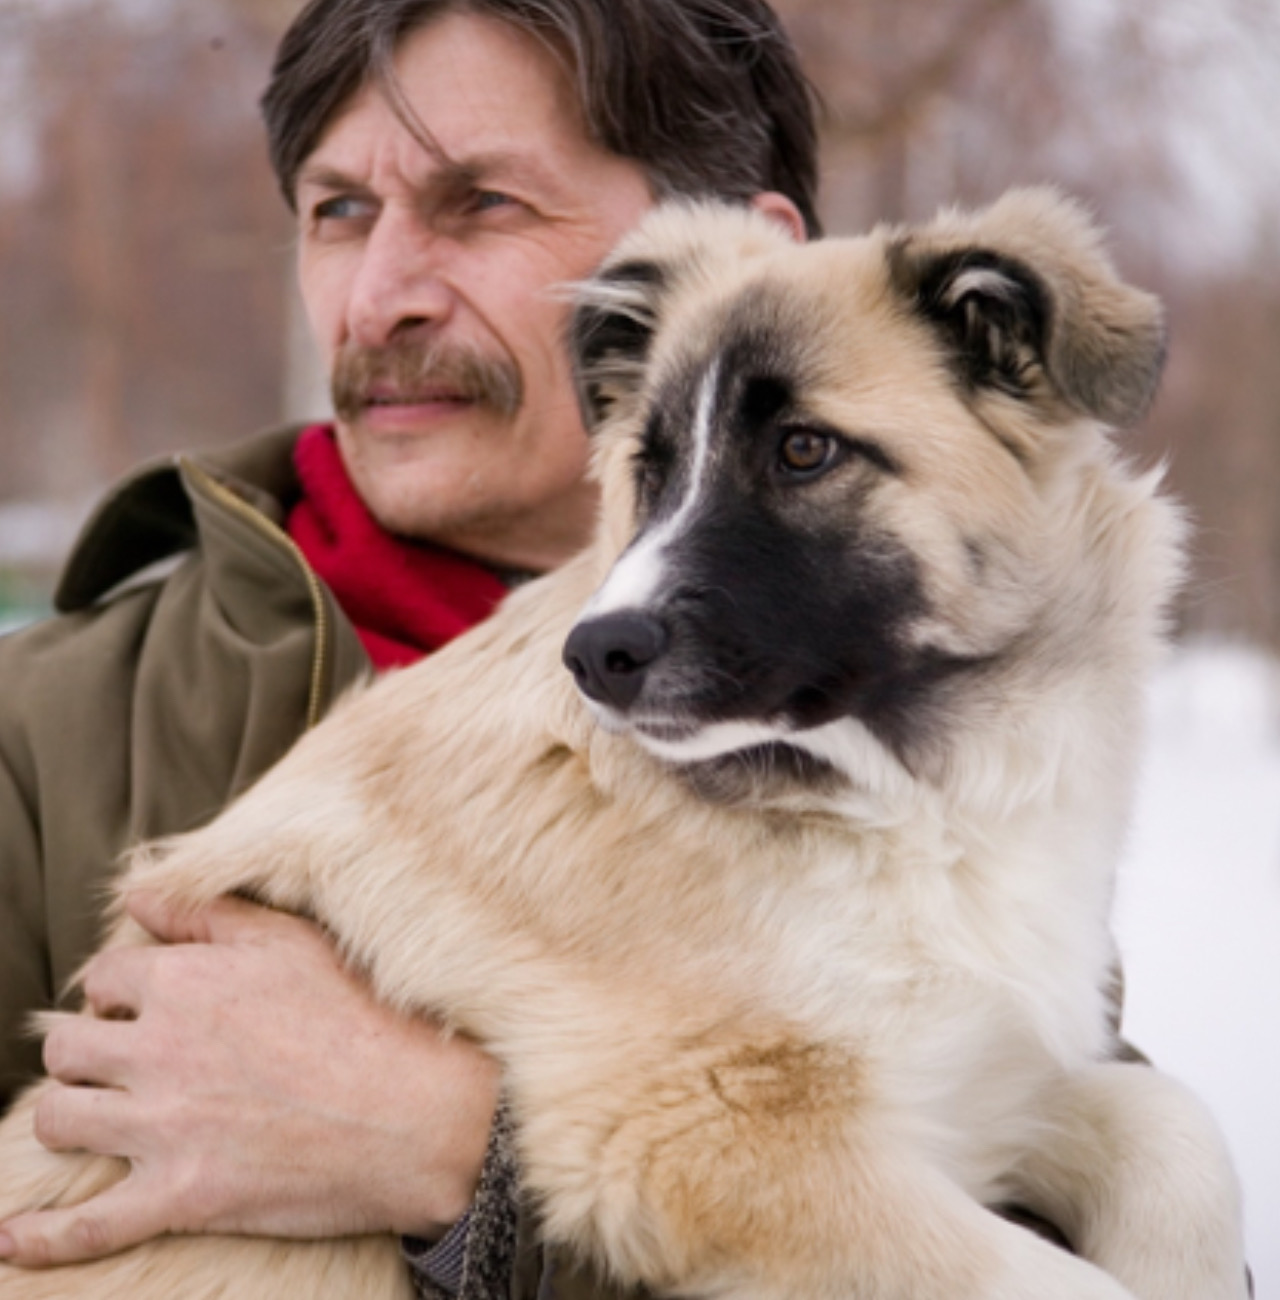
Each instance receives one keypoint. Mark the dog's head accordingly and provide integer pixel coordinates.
(846, 481)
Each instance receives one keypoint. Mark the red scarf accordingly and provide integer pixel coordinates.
(405, 598)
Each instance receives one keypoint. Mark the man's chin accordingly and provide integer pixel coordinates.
(405, 479)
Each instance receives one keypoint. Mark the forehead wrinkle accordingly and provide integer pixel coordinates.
(323, 176)
(451, 176)
(455, 173)
(389, 86)
(487, 165)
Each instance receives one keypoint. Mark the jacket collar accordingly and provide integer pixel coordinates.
(148, 517)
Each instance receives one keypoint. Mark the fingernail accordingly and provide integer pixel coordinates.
(7, 1245)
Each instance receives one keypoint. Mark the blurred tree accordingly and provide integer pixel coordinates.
(141, 261)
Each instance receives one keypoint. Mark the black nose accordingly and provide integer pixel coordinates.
(610, 655)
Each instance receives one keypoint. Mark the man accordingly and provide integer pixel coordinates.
(449, 163)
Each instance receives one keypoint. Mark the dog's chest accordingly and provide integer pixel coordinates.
(896, 937)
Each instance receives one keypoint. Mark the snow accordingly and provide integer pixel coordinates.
(1198, 914)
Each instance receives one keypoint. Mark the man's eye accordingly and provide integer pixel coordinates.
(488, 200)
(342, 207)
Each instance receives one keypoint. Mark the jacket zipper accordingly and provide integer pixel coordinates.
(319, 659)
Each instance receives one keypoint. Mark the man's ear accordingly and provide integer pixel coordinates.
(780, 209)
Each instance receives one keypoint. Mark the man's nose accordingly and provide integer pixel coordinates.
(400, 280)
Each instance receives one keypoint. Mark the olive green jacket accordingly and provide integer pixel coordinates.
(147, 702)
(191, 647)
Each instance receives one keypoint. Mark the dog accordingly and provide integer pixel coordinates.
(785, 909)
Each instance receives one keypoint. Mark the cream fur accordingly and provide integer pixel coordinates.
(791, 1046)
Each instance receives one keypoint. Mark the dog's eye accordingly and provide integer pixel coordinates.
(804, 453)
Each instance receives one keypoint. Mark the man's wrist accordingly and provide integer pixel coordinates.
(473, 1260)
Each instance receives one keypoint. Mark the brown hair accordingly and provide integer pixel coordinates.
(707, 95)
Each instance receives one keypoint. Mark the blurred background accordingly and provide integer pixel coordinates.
(145, 256)
(146, 305)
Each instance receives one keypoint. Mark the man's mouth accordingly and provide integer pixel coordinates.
(427, 397)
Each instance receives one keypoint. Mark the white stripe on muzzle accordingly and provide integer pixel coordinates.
(638, 575)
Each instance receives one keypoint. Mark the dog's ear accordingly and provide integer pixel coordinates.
(1029, 305)
(681, 245)
(612, 325)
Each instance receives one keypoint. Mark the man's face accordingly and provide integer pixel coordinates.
(425, 273)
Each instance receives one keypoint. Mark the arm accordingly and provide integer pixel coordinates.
(24, 958)
(311, 1111)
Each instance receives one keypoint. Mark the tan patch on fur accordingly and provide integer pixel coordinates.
(777, 1080)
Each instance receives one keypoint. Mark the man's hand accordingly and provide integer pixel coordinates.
(255, 1087)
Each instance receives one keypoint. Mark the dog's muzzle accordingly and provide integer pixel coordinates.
(609, 656)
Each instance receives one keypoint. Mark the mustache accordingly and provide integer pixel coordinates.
(413, 366)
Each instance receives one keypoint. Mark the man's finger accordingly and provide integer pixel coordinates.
(83, 1119)
(80, 1049)
(122, 1216)
(225, 920)
(114, 980)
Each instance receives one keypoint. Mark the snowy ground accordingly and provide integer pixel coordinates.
(1199, 912)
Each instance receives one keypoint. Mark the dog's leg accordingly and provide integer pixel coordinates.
(1135, 1171)
(768, 1171)
(733, 1170)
